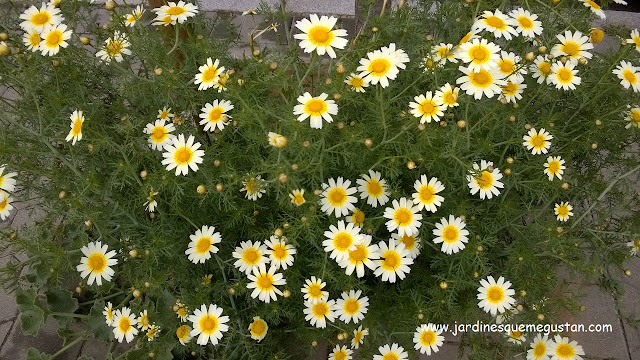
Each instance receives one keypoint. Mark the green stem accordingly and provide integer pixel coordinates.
(175, 44)
(79, 316)
(102, 298)
(313, 57)
(68, 346)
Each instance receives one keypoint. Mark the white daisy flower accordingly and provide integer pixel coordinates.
(258, 328)
(501, 25)
(561, 348)
(633, 115)
(7, 181)
(526, 23)
(403, 216)
(280, 253)
(635, 246)
(319, 312)
(277, 140)
(482, 179)
(108, 313)
(313, 292)
(358, 336)
(202, 245)
(165, 114)
(135, 15)
(448, 95)
(254, 188)
(31, 40)
(477, 83)
(411, 243)
(373, 188)
(53, 38)
(515, 336)
(512, 91)
(183, 333)
(364, 255)
(427, 107)
(357, 83)
(629, 75)
(426, 195)
(143, 321)
(351, 306)
(160, 134)
(214, 116)
(635, 39)
(443, 52)
(395, 352)
(356, 218)
(151, 203)
(264, 283)
(341, 240)
(540, 69)
(208, 324)
(495, 297)
(97, 262)
(452, 234)
(5, 205)
(574, 45)
(341, 353)
(594, 7)
(250, 255)
(37, 19)
(480, 54)
(123, 325)
(537, 141)
(382, 65)
(75, 134)
(318, 34)
(179, 12)
(114, 47)
(209, 74)
(428, 339)
(316, 109)
(509, 65)
(563, 76)
(394, 261)
(297, 197)
(182, 155)
(563, 211)
(337, 197)
(554, 167)
(539, 348)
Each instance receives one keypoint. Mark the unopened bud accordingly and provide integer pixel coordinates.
(286, 293)
(85, 41)
(133, 253)
(218, 187)
(201, 189)
(368, 143)
(137, 293)
(273, 66)
(88, 223)
(62, 194)
(283, 178)
(444, 285)
(461, 124)
(278, 232)
(520, 307)
(411, 165)
(110, 5)
(158, 71)
(340, 69)
(143, 174)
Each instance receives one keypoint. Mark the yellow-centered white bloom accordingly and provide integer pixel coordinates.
(318, 34)
(214, 116)
(541, 69)
(356, 218)
(561, 348)
(512, 91)
(411, 243)
(358, 336)
(443, 52)
(364, 255)
(123, 325)
(77, 118)
(316, 109)
(153, 332)
(357, 83)
(382, 65)
(341, 240)
(182, 155)
(428, 339)
(426, 195)
(135, 15)
(165, 114)
(254, 188)
(635, 39)
(594, 7)
(539, 347)
(277, 140)
(96, 263)
(202, 244)
(635, 246)
(143, 321)
(480, 54)
(297, 197)
(427, 107)
(31, 40)
(629, 75)
(394, 261)
(53, 38)
(313, 292)
(114, 47)
(574, 45)
(477, 83)
(280, 253)
(495, 296)
(221, 84)
(208, 324)
(182, 312)
(5, 205)
(484, 180)
(151, 203)
(209, 74)
(537, 141)
(351, 306)
(160, 134)
(183, 333)
(108, 313)
(319, 312)
(563, 211)
(554, 167)
(515, 337)
(448, 95)
(509, 65)
(452, 234)
(373, 188)
(393, 352)
(37, 19)
(501, 25)
(526, 23)
(258, 328)
(264, 282)
(633, 116)
(563, 76)
(403, 216)
(337, 197)
(173, 13)
(341, 353)
(7, 181)
(250, 255)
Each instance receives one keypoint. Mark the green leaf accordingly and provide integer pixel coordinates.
(31, 315)
(60, 300)
(34, 354)
(96, 322)
(26, 296)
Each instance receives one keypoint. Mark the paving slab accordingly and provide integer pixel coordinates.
(4, 330)
(448, 351)
(630, 306)
(16, 344)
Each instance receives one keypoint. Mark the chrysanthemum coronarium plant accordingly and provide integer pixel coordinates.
(348, 190)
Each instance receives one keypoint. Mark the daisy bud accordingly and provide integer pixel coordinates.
(421, 127)
(503, 101)
(529, 56)
(110, 5)
(218, 187)
(582, 61)
(598, 122)
(463, 218)
(256, 52)
(565, 186)
(369, 231)
(480, 248)
(510, 160)
(152, 215)
(303, 219)
(151, 355)
(490, 168)
(443, 123)
(294, 167)
(137, 293)
(444, 285)
(374, 29)
(328, 81)
(62, 194)
(550, 57)
(78, 290)
(216, 163)
(85, 41)
(88, 223)
(340, 337)
(178, 120)
(133, 253)
(411, 165)
(55, 63)
(368, 143)
(468, 1)
(627, 272)
(283, 178)
(306, 143)
(520, 258)
(340, 69)
(273, 66)
(278, 232)
(175, 307)
(420, 316)
(255, 212)
(158, 71)
(458, 20)
(594, 146)
(90, 148)
(147, 284)
(286, 225)
(353, 123)
(563, 59)
(512, 118)
(337, 96)
(516, 105)
(314, 343)
(143, 174)
(340, 125)
(559, 229)
(232, 291)
(507, 171)
(475, 274)
(241, 82)
(461, 124)
(527, 126)
(317, 192)
(4, 36)
(200, 37)
(201, 189)
(429, 37)
(583, 308)
(286, 293)
(520, 307)
(540, 317)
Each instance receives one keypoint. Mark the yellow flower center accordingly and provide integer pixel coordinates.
(342, 241)
(314, 290)
(4, 203)
(545, 68)
(450, 98)
(124, 325)
(96, 263)
(144, 321)
(408, 241)
(516, 334)
(320, 35)
(428, 107)
(357, 217)
(507, 66)
(280, 251)
(635, 116)
(320, 309)
(391, 260)
(351, 306)
(450, 234)
(182, 311)
(374, 188)
(443, 52)
(208, 324)
(340, 355)
(77, 127)
(215, 114)
(251, 256)
(54, 38)
(357, 337)
(563, 211)
(554, 167)
(596, 36)
(357, 82)
(40, 18)
(152, 333)
(403, 217)
(34, 39)
(298, 199)
(390, 356)
(158, 134)
(630, 76)
(565, 351)
(427, 194)
(571, 48)
(428, 337)
(539, 350)
(358, 255)
(565, 75)
(481, 78)
(210, 74)
(485, 180)
(203, 245)
(252, 186)
(222, 81)
(510, 88)
(183, 155)
(479, 54)
(265, 282)
(379, 67)
(538, 141)
(182, 332)
(495, 22)
(337, 196)
(258, 327)
(316, 106)
(115, 47)
(495, 294)
(176, 10)
(525, 22)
